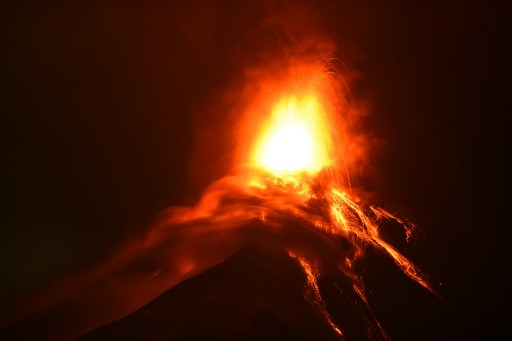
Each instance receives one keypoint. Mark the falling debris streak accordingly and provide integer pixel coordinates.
(315, 297)
(359, 289)
(407, 225)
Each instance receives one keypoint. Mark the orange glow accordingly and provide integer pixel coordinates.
(295, 139)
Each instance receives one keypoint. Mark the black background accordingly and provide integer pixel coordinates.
(101, 100)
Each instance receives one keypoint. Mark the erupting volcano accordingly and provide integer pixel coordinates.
(287, 212)
(255, 170)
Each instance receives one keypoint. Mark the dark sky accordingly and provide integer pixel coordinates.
(101, 103)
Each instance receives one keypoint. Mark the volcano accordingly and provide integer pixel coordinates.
(328, 122)
(281, 247)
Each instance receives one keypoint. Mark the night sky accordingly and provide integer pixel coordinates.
(106, 107)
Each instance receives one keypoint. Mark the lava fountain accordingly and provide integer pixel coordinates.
(295, 139)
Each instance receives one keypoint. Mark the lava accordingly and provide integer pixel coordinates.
(295, 138)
